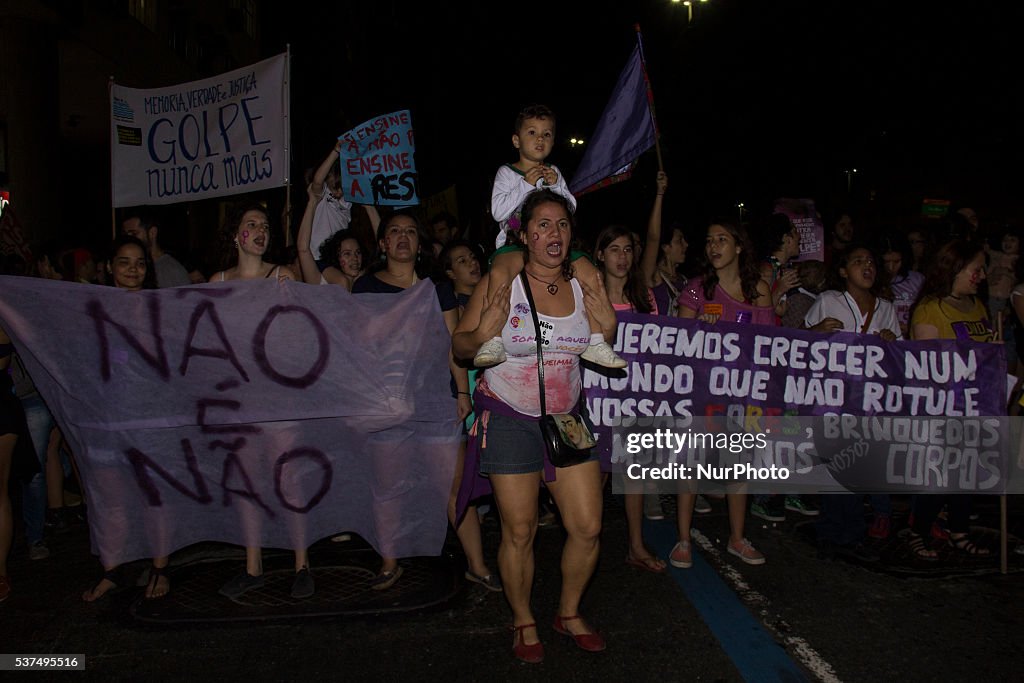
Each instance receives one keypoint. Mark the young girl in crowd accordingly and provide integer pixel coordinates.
(858, 308)
(245, 237)
(626, 275)
(667, 282)
(341, 253)
(131, 269)
(331, 213)
(904, 282)
(461, 267)
(951, 309)
(245, 240)
(730, 289)
(616, 258)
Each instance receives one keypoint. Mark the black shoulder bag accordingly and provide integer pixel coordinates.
(566, 436)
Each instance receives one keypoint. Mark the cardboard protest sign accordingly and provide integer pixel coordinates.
(805, 217)
(212, 138)
(377, 164)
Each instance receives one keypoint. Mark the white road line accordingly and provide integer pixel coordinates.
(799, 647)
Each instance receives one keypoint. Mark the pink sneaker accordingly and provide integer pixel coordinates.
(681, 555)
(880, 528)
(746, 552)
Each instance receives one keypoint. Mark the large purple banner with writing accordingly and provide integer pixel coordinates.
(841, 408)
(257, 413)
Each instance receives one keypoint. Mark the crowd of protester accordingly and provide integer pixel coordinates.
(910, 280)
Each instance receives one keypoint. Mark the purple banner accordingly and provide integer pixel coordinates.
(256, 413)
(934, 407)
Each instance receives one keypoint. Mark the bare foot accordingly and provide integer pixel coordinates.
(159, 586)
(99, 590)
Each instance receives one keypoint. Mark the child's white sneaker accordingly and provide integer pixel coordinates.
(491, 353)
(602, 354)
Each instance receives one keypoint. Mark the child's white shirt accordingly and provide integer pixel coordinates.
(330, 216)
(509, 191)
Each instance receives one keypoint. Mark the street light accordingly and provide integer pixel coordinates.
(849, 178)
(741, 206)
(689, 11)
(575, 142)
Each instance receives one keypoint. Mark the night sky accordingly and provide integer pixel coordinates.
(755, 100)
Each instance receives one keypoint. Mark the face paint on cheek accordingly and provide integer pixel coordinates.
(975, 278)
(245, 236)
(536, 236)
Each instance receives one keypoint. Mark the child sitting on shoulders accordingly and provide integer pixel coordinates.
(534, 137)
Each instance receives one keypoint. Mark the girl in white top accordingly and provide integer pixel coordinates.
(858, 308)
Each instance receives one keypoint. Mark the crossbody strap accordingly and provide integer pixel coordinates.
(539, 339)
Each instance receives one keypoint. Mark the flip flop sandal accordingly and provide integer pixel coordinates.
(155, 574)
(650, 564)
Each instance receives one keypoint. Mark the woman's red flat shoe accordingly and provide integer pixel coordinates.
(591, 642)
(531, 654)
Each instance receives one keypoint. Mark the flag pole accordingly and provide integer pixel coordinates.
(650, 97)
(113, 208)
(288, 146)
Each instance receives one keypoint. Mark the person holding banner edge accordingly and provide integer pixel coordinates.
(507, 430)
(949, 308)
(131, 269)
(247, 229)
(399, 238)
(731, 289)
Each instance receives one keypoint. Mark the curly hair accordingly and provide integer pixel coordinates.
(330, 247)
(880, 288)
(750, 275)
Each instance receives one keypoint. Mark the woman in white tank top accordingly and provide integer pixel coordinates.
(512, 449)
(246, 238)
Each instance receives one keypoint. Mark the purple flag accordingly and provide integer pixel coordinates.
(625, 131)
(256, 413)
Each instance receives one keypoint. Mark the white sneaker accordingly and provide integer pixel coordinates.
(491, 353)
(602, 354)
(652, 507)
(701, 505)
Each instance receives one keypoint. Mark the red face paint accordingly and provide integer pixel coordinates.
(245, 236)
